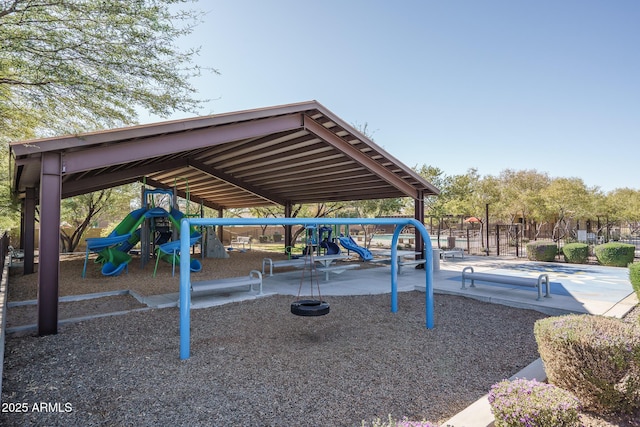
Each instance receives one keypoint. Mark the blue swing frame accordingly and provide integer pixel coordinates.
(400, 223)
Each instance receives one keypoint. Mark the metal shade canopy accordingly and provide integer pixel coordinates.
(281, 155)
(295, 153)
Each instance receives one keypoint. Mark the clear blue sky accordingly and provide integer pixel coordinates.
(547, 85)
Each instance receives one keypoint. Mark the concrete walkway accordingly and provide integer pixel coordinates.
(575, 289)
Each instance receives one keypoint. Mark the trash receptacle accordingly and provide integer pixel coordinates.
(436, 259)
(451, 242)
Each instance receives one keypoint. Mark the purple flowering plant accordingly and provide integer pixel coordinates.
(529, 403)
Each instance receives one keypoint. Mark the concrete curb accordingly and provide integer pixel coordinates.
(3, 314)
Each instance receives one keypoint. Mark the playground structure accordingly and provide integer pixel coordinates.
(170, 251)
(327, 243)
(151, 227)
(319, 239)
(400, 223)
(349, 244)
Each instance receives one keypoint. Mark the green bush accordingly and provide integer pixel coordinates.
(595, 357)
(576, 253)
(531, 403)
(615, 254)
(542, 251)
(634, 277)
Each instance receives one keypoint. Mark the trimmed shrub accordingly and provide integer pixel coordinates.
(595, 357)
(576, 253)
(615, 254)
(634, 277)
(542, 251)
(533, 404)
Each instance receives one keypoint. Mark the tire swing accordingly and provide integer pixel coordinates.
(310, 306)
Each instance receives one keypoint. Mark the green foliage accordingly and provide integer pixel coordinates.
(634, 277)
(521, 192)
(542, 251)
(595, 357)
(623, 204)
(576, 253)
(528, 194)
(615, 254)
(80, 212)
(9, 208)
(76, 65)
(530, 403)
(72, 66)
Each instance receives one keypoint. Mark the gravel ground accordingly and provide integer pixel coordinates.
(27, 315)
(254, 363)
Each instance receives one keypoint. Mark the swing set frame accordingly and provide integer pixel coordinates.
(400, 223)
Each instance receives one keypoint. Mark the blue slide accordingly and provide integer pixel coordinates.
(349, 244)
(330, 247)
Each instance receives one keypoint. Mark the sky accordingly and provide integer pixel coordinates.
(545, 85)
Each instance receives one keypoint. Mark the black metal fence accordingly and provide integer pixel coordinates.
(510, 240)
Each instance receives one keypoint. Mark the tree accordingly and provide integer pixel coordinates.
(266, 212)
(73, 66)
(81, 212)
(565, 199)
(461, 189)
(522, 195)
(623, 205)
(436, 206)
(486, 193)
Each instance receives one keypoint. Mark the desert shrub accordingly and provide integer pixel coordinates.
(615, 254)
(595, 357)
(542, 251)
(576, 253)
(534, 404)
(390, 422)
(634, 277)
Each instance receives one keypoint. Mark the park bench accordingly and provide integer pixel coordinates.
(231, 284)
(403, 262)
(301, 263)
(15, 254)
(294, 262)
(533, 282)
(409, 263)
(241, 240)
(452, 253)
(337, 268)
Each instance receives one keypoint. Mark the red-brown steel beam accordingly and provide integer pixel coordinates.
(49, 248)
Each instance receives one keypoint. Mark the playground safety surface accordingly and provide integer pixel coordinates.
(585, 289)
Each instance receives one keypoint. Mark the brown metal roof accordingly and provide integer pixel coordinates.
(295, 153)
